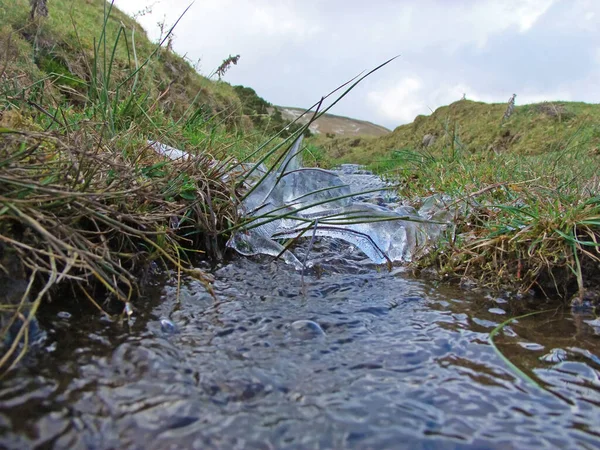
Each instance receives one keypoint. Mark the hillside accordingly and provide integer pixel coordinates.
(523, 192)
(330, 124)
(68, 56)
(73, 57)
(478, 127)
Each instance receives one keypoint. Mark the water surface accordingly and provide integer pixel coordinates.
(348, 356)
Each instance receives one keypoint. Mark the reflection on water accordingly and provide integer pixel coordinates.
(365, 359)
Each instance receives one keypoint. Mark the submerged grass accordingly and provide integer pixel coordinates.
(520, 373)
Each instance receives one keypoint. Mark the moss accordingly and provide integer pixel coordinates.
(57, 68)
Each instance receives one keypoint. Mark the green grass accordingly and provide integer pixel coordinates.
(531, 130)
(85, 204)
(527, 191)
(77, 55)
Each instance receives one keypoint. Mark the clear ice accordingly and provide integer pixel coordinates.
(350, 204)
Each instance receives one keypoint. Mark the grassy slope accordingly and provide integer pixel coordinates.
(526, 192)
(61, 50)
(532, 129)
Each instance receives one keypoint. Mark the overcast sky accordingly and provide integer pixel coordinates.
(295, 51)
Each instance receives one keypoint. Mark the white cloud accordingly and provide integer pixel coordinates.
(393, 26)
(294, 51)
(408, 98)
(280, 20)
(528, 12)
(401, 102)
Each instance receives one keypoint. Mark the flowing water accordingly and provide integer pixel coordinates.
(346, 355)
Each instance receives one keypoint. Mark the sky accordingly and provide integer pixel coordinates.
(293, 52)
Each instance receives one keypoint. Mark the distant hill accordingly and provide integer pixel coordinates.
(330, 124)
(479, 127)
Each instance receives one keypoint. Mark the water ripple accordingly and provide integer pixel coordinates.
(337, 360)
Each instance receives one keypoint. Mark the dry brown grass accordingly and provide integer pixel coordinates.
(76, 211)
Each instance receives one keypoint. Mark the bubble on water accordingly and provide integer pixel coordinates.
(555, 355)
(63, 315)
(306, 329)
(167, 326)
(595, 324)
(531, 346)
(484, 323)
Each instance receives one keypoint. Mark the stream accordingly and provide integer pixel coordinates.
(344, 355)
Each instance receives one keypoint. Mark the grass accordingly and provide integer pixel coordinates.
(531, 130)
(526, 191)
(77, 213)
(520, 373)
(86, 206)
